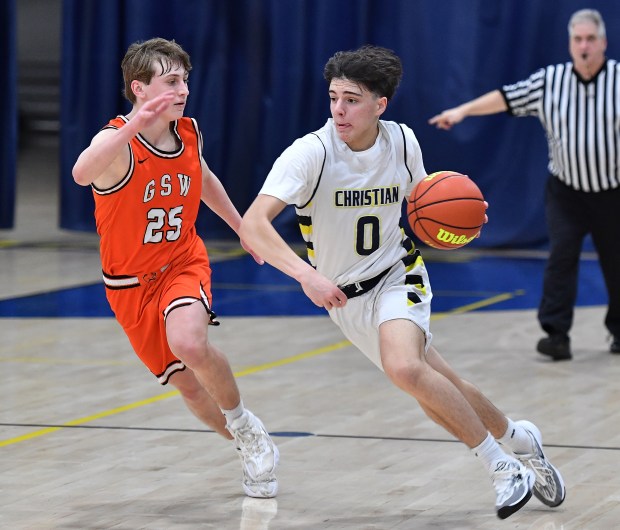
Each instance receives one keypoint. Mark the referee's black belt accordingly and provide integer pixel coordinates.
(359, 288)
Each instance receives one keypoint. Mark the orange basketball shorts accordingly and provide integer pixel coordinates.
(141, 305)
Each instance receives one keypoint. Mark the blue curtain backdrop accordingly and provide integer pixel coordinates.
(257, 85)
(8, 99)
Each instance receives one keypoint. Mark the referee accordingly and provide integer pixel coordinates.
(578, 104)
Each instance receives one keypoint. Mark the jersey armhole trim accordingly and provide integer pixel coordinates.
(405, 152)
(320, 174)
(123, 182)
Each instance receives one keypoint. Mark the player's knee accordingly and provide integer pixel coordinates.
(405, 375)
(191, 351)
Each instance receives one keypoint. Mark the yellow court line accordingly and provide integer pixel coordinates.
(86, 419)
(6, 243)
(117, 410)
(241, 373)
(477, 305)
(294, 358)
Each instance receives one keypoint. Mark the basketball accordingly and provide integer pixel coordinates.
(446, 210)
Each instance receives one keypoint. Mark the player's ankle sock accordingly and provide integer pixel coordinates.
(489, 452)
(516, 438)
(232, 414)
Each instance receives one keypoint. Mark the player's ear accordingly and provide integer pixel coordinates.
(381, 105)
(137, 87)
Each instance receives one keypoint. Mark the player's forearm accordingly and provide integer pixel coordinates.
(270, 246)
(215, 197)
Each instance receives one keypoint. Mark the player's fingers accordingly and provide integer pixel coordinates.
(340, 301)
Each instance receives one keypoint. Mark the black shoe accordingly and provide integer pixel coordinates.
(615, 345)
(556, 346)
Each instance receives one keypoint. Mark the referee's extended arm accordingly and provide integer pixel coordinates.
(489, 103)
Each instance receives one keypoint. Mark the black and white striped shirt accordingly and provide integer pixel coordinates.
(581, 120)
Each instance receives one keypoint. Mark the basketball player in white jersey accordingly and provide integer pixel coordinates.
(347, 181)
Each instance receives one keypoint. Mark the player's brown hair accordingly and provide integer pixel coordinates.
(141, 57)
(378, 69)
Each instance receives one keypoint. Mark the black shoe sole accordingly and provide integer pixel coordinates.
(507, 511)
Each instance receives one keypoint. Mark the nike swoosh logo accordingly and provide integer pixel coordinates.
(143, 160)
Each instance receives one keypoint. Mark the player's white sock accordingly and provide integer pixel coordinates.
(233, 414)
(489, 452)
(516, 438)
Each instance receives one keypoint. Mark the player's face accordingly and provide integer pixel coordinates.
(587, 48)
(355, 111)
(175, 80)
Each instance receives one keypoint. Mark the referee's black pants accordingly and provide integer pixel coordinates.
(571, 215)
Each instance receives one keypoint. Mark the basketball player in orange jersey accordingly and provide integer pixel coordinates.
(353, 173)
(148, 176)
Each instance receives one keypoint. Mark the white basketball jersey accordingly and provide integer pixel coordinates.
(349, 203)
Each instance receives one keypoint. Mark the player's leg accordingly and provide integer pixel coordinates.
(168, 331)
(186, 330)
(199, 401)
(522, 437)
(404, 362)
(492, 418)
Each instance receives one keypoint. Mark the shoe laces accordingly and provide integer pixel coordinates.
(504, 476)
(250, 438)
(536, 460)
(538, 463)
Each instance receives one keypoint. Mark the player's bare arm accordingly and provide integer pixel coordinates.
(257, 227)
(105, 161)
(215, 197)
(489, 103)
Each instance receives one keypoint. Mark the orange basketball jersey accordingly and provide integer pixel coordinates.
(148, 218)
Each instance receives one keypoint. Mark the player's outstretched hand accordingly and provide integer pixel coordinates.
(150, 111)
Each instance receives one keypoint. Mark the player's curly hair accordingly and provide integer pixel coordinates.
(378, 69)
(141, 57)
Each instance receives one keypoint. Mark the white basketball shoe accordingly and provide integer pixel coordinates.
(259, 456)
(513, 484)
(549, 487)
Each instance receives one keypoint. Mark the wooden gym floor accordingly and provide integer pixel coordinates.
(89, 440)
